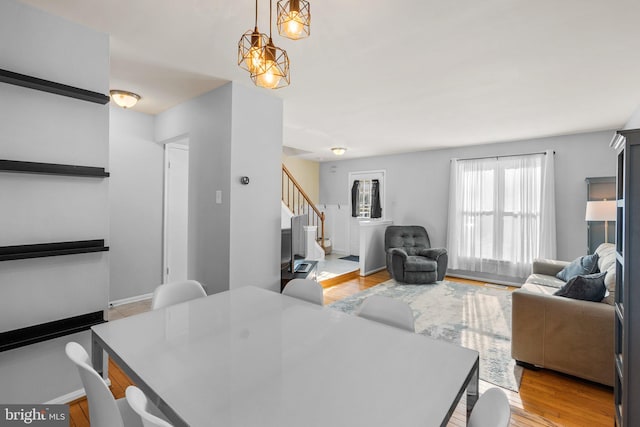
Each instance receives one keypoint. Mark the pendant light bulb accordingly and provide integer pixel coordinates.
(274, 73)
(271, 74)
(294, 25)
(254, 59)
(294, 19)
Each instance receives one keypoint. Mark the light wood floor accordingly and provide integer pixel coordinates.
(546, 398)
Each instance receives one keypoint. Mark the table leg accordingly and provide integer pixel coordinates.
(473, 392)
(96, 354)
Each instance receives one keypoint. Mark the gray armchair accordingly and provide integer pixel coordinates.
(410, 257)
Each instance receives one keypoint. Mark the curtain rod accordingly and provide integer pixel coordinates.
(506, 155)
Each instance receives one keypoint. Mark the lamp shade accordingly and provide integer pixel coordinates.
(601, 210)
(250, 50)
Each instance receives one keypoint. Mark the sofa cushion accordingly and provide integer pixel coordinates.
(606, 256)
(588, 287)
(418, 263)
(607, 262)
(538, 289)
(586, 264)
(544, 280)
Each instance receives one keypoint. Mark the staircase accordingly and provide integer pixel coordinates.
(297, 201)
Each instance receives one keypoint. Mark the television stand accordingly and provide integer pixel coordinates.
(302, 269)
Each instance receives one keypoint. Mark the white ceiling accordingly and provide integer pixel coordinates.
(382, 77)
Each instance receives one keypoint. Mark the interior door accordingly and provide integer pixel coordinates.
(176, 211)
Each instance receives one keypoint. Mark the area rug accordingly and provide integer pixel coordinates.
(475, 317)
(355, 258)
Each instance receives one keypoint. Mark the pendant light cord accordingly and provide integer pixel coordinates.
(270, 18)
(256, 23)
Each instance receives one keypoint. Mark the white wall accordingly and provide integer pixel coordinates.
(417, 184)
(43, 127)
(207, 121)
(336, 226)
(135, 204)
(256, 152)
(224, 144)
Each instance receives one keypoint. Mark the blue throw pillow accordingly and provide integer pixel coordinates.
(589, 287)
(587, 264)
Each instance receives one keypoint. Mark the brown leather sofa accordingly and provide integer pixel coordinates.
(567, 335)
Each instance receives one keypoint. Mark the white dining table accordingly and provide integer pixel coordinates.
(253, 357)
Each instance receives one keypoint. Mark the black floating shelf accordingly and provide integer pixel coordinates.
(52, 87)
(51, 169)
(40, 250)
(46, 331)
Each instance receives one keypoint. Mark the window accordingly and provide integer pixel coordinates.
(501, 214)
(366, 198)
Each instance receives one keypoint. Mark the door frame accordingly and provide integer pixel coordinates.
(366, 174)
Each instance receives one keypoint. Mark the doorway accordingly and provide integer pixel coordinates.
(361, 206)
(176, 211)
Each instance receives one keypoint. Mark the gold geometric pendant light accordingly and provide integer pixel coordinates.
(251, 48)
(273, 73)
(294, 19)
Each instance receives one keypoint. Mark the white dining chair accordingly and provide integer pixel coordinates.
(176, 292)
(140, 404)
(491, 410)
(104, 409)
(305, 289)
(389, 311)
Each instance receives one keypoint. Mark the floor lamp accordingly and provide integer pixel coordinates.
(601, 210)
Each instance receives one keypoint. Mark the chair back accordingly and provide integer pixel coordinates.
(491, 410)
(103, 410)
(140, 404)
(389, 311)
(408, 237)
(305, 289)
(176, 292)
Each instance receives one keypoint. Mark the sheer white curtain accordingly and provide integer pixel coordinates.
(501, 214)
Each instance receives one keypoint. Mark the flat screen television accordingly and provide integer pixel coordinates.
(293, 242)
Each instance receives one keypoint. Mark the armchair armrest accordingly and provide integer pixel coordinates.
(550, 267)
(440, 256)
(399, 252)
(433, 253)
(395, 262)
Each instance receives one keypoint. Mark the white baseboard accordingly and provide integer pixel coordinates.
(130, 300)
(70, 397)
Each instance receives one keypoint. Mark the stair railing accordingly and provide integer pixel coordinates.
(299, 203)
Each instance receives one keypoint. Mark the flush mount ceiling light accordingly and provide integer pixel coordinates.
(338, 151)
(274, 71)
(250, 48)
(294, 19)
(124, 99)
